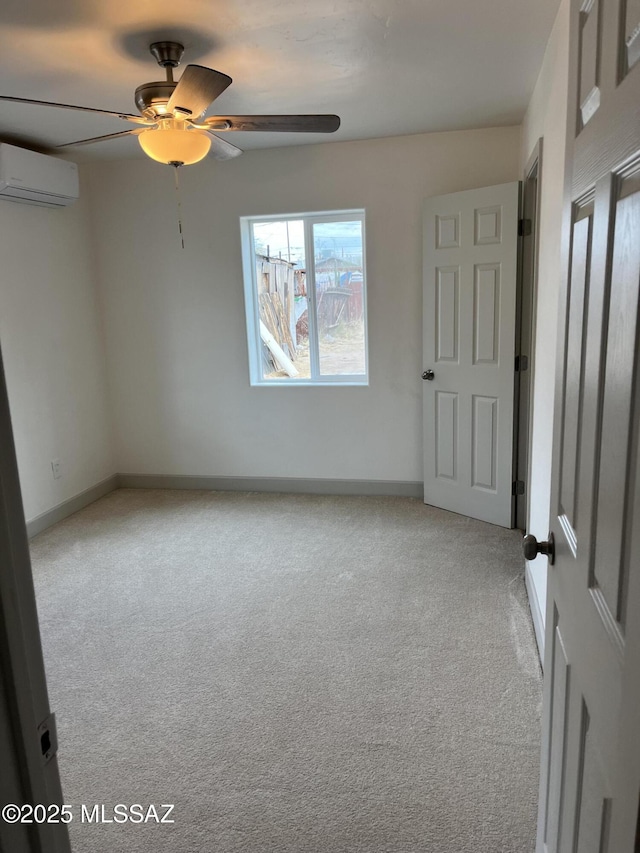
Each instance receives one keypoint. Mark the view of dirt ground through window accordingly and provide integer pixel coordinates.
(284, 286)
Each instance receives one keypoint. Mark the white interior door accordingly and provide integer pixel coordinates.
(470, 257)
(590, 779)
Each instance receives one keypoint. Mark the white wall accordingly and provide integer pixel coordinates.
(175, 325)
(53, 353)
(546, 117)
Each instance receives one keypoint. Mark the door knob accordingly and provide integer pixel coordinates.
(428, 374)
(531, 547)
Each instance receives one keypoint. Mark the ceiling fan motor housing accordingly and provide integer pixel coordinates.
(150, 96)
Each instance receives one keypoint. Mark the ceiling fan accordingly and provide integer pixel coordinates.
(172, 128)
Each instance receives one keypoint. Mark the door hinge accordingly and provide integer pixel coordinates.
(48, 737)
(517, 487)
(522, 363)
(525, 227)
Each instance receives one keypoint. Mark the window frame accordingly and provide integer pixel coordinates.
(252, 310)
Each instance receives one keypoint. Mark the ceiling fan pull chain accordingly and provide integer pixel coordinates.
(180, 231)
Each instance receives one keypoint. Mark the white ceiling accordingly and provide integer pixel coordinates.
(386, 67)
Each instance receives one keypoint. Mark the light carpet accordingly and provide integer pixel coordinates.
(297, 674)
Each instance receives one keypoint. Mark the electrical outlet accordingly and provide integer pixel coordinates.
(55, 467)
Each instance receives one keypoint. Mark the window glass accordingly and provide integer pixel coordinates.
(305, 296)
(339, 283)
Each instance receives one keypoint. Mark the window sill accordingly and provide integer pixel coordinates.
(305, 383)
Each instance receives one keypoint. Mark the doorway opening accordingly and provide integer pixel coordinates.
(525, 335)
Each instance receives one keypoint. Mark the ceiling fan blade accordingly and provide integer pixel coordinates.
(134, 132)
(286, 124)
(221, 149)
(197, 88)
(124, 116)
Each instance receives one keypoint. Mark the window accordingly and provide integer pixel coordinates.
(305, 296)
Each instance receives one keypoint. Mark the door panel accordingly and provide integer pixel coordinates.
(486, 311)
(592, 807)
(484, 441)
(589, 59)
(470, 274)
(576, 340)
(446, 435)
(447, 314)
(558, 679)
(616, 416)
(590, 779)
(630, 44)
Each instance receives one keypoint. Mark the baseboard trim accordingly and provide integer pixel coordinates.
(287, 485)
(536, 611)
(66, 508)
(290, 485)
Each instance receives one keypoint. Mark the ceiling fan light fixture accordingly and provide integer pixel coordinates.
(174, 143)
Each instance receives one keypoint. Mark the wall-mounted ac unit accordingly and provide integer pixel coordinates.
(33, 178)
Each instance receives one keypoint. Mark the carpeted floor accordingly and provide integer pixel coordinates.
(297, 674)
